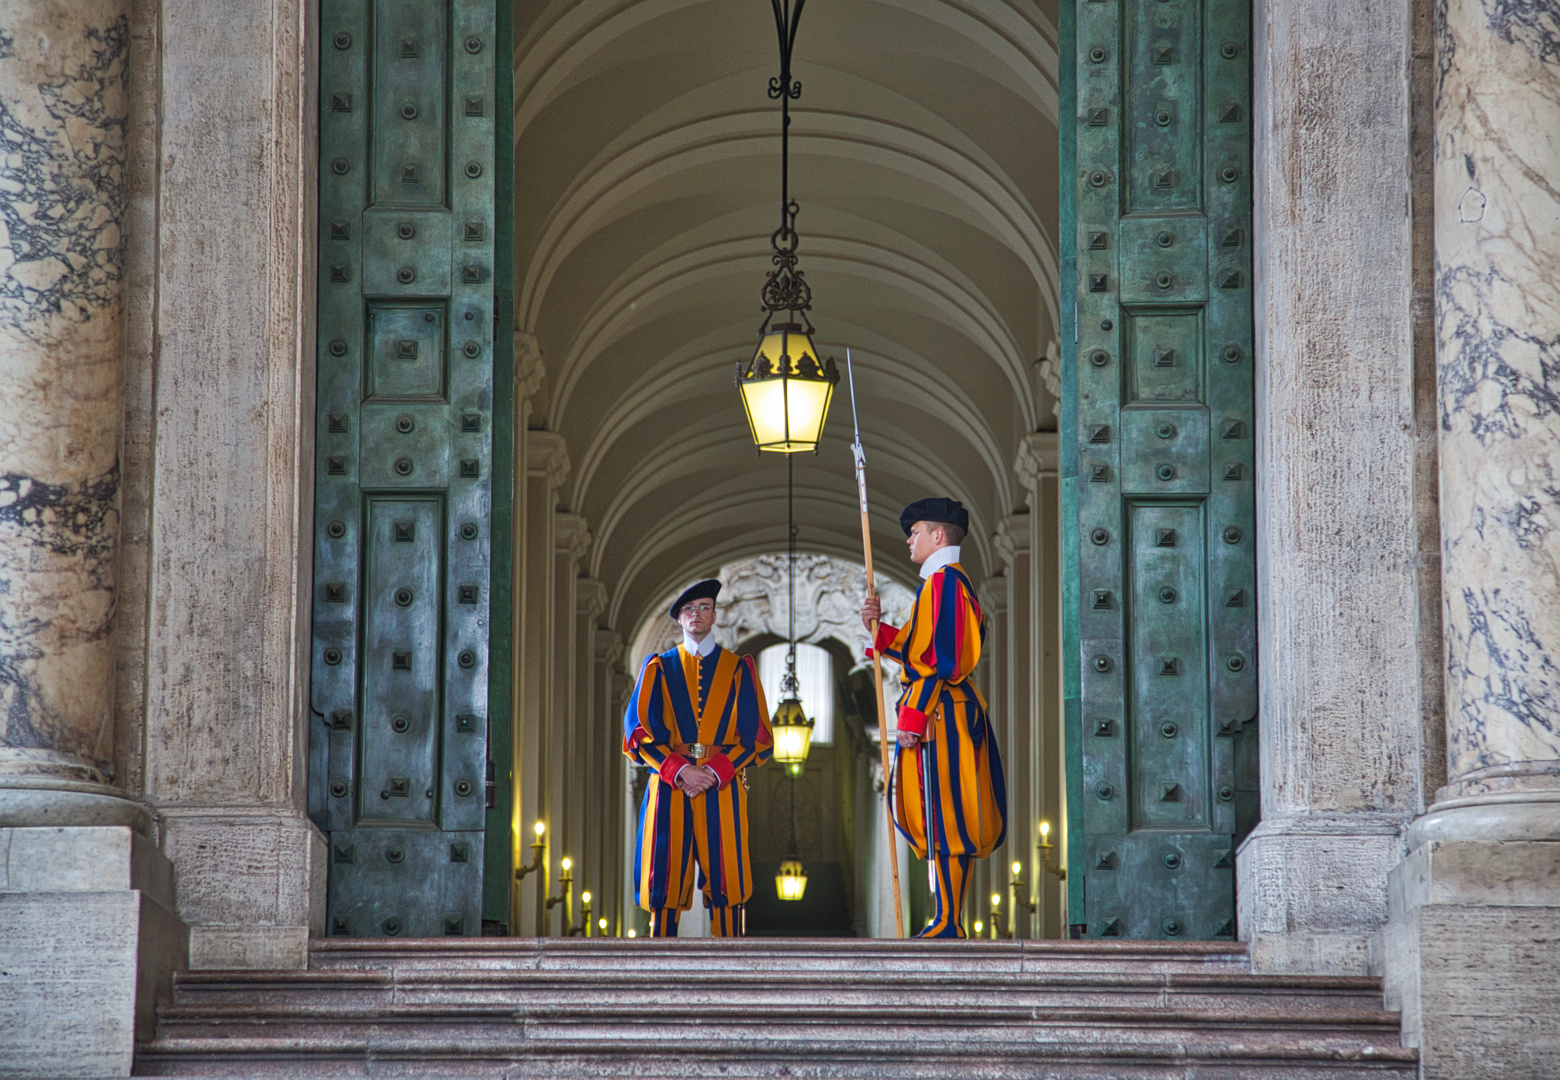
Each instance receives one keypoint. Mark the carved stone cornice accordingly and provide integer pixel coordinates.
(571, 536)
(1012, 538)
(1039, 456)
(530, 369)
(590, 597)
(609, 645)
(547, 455)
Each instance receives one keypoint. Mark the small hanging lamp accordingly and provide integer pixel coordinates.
(791, 726)
(785, 389)
(791, 879)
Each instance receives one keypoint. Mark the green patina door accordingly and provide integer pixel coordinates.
(1159, 512)
(404, 549)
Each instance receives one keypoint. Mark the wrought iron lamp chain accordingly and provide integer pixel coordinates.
(785, 289)
(790, 685)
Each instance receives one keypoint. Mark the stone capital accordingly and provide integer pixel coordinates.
(548, 456)
(609, 648)
(1012, 538)
(1039, 456)
(530, 368)
(571, 536)
(590, 597)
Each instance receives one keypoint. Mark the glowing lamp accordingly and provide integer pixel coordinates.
(791, 880)
(793, 730)
(786, 391)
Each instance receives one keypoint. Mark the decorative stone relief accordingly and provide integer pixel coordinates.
(1498, 313)
(754, 600)
(63, 114)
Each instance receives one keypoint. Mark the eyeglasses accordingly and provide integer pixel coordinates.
(697, 609)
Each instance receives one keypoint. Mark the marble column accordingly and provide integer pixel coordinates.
(1345, 686)
(63, 95)
(1476, 904)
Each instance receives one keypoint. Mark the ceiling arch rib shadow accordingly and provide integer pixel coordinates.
(619, 184)
(925, 288)
(896, 466)
(643, 203)
(570, 38)
(894, 391)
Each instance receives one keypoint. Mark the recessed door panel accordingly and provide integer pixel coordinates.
(1158, 492)
(403, 487)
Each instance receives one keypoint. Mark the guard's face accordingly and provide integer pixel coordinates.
(924, 539)
(697, 618)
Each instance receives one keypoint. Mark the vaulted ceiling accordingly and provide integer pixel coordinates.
(647, 157)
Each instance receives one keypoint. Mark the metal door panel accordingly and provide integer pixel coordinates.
(1159, 489)
(403, 495)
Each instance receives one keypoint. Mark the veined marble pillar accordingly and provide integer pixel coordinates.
(63, 95)
(1340, 523)
(1476, 905)
(547, 466)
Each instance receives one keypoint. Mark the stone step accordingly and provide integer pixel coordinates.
(521, 1009)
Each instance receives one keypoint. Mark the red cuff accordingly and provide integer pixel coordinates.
(720, 764)
(912, 720)
(671, 767)
(885, 636)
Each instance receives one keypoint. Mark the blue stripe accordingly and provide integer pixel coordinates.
(682, 704)
(944, 634)
(951, 739)
(714, 855)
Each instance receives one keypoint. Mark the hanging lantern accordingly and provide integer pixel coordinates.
(792, 729)
(785, 388)
(791, 880)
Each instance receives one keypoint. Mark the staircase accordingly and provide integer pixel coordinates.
(518, 1008)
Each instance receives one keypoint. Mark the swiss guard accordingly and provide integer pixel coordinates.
(949, 797)
(698, 718)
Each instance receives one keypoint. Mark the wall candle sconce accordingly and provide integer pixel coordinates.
(601, 924)
(538, 862)
(583, 929)
(1045, 852)
(566, 882)
(1019, 898)
(996, 918)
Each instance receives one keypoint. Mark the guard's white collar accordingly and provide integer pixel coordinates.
(701, 649)
(938, 559)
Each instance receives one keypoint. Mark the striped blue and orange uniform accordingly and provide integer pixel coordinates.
(950, 798)
(681, 700)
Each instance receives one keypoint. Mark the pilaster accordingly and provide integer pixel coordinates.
(1339, 510)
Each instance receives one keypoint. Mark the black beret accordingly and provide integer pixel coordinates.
(940, 511)
(704, 590)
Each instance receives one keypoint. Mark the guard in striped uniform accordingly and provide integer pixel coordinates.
(698, 718)
(950, 800)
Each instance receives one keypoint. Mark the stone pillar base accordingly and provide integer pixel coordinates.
(1470, 950)
(1316, 870)
(89, 943)
(251, 885)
